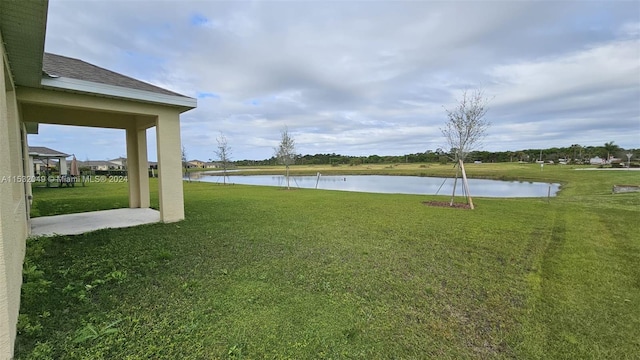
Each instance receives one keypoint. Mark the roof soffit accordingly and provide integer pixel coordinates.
(23, 25)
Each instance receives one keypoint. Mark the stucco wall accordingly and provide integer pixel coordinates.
(170, 194)
(13, 214)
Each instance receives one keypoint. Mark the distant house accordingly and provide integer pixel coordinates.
(42, 158)
(596, 161)
(38, 166)
(121, 161)
(113, 164)
(212, 165)
(100, 165)
(195, 164)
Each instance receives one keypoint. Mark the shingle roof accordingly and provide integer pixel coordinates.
(45, 152)
(62, 66)
(97, 163)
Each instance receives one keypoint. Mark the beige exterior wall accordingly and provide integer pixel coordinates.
(13, 209)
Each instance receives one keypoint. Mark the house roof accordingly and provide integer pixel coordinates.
(97, 163)
(56, 66)
(69, 74)
(42, 151)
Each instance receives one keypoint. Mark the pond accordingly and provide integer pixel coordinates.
(394, 184)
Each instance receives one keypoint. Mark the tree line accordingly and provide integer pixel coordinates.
(575, 154)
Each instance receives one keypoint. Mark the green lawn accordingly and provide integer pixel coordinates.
(261, 272)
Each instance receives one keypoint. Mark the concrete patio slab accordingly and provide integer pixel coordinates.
(74, 224)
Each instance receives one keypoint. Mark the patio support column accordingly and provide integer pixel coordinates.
(62, 165)
(143, 168)
(169, 167)
(32, 170)
(137, 173)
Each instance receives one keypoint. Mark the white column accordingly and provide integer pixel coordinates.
(169, 167)
(137, 174)
(133, 175)
(62, 162)
(143, 168)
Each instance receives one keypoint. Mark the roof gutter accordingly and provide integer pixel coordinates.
(93, 88)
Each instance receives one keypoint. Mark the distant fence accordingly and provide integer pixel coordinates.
(107, 172)
(152, 172)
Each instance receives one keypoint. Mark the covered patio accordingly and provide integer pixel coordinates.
(77, 93)
(44, 154)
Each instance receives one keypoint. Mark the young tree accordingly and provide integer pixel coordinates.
(464, 130)
(185, 165)
(223, 153)
(286, 151)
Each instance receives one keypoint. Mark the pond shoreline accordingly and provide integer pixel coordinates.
(397, 184)
(366, 172)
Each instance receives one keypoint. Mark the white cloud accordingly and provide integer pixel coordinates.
(577, 75)
(355, 79)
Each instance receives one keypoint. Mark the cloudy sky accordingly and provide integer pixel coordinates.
(362, 77)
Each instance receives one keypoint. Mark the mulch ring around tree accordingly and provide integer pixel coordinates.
(447, 204)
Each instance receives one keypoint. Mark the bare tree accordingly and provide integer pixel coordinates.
(464, 131)
(223, 153)
(286, 151)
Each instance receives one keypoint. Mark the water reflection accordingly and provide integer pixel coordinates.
(394, 184)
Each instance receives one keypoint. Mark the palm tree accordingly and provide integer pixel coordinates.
(575, 147)
(611, 148)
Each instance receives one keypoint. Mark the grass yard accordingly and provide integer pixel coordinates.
(260, 272)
